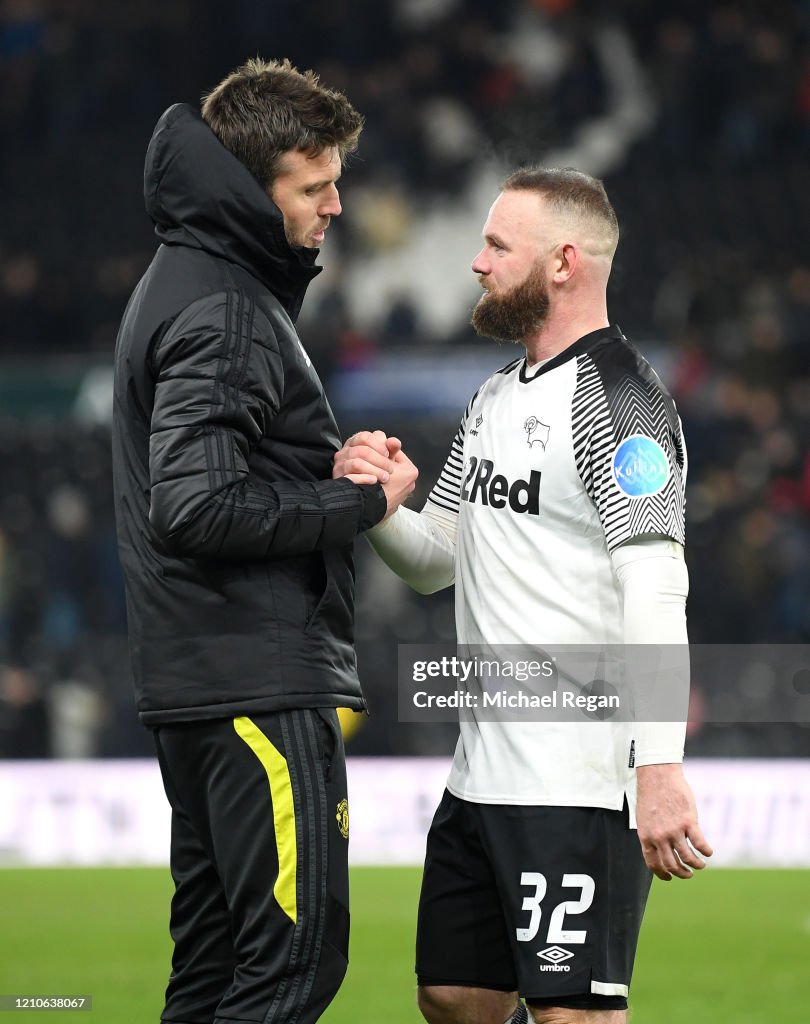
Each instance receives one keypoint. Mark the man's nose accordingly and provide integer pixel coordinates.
(480, 265)
(331, 207)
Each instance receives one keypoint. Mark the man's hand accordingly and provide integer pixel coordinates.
(401, 483)
(667, 821)
(366, 458)
(370, 458)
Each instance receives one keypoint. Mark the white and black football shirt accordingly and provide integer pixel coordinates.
(549, 472)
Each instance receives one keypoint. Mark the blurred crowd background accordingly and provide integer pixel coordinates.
(697, 116)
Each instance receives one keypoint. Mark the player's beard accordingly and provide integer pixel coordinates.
(514, 314)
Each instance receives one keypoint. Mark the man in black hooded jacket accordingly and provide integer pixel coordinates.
(236, 545)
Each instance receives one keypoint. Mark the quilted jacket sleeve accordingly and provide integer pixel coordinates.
(219, 382)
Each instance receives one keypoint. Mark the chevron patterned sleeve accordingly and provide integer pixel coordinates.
(446, 491)
(629, 450)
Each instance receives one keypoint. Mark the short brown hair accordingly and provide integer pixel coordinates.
(571, 192)
(265, 108)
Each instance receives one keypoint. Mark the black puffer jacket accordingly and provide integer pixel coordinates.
(235, 542)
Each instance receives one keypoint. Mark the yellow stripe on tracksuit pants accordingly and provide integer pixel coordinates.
(278, 775)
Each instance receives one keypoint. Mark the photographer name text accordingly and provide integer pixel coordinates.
(516, 700)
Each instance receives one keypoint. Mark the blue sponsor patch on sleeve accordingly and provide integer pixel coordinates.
(640, 466)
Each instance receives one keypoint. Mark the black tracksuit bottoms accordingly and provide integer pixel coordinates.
(259, 858)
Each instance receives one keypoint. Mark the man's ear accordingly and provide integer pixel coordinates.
(564, 262)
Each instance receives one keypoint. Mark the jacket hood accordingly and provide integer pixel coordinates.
(198, 194)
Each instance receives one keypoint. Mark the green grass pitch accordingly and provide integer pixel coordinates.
(729, 947)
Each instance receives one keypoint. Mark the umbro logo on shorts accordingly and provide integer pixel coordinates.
(556, 954)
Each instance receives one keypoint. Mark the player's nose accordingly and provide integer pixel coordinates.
(480, 265)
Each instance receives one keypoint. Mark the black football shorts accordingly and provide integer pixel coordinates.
(546, 901)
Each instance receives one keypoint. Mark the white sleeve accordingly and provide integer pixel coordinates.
(420, 547)
(655, 582)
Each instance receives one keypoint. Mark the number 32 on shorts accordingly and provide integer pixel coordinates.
(556, 926)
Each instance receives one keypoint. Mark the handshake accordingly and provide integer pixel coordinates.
(371, 458)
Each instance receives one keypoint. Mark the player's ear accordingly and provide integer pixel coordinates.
(564, 261)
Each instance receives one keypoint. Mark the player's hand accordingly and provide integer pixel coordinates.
(366, 458)
(668, 830)
(401, 482)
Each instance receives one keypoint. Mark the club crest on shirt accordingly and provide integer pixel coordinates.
(537, 432)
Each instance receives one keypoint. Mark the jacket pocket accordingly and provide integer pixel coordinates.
(298, 588)
(328, 599)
